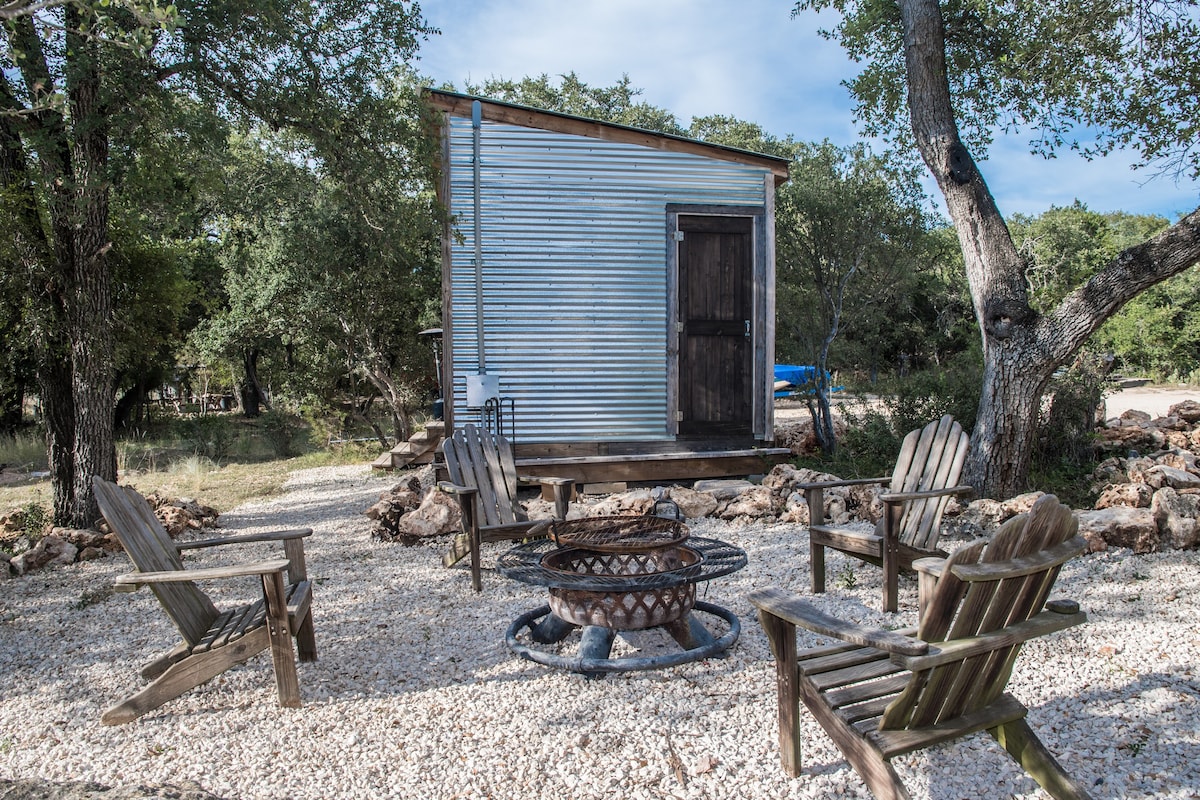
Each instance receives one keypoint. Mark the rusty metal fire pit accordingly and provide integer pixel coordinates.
(624, 610)
(610, 575)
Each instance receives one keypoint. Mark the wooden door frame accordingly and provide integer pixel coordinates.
(762, 305)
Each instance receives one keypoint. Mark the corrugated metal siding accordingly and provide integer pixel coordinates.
(574, 285)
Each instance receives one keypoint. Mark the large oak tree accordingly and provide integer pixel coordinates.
(1089, 74)
(71, 72)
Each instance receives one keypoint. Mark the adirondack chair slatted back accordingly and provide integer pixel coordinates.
(480, 460)
(981, 591)
(930, 458)
(151, 550)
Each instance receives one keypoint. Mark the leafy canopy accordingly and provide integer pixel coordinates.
(1093, 75)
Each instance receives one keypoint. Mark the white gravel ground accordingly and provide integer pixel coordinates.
(416, 695)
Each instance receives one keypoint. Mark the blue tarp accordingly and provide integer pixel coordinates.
(798, 376)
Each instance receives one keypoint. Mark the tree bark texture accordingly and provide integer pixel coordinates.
(70, 275)
(253, 397)
(1021, 349)
(90, 312)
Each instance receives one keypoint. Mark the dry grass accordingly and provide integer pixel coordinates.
(221, 487)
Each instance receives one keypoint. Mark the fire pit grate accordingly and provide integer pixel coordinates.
(618, 534)
(524, 563)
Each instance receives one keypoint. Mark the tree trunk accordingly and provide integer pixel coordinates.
(1021, 349)
(253, 398)
(90, 313)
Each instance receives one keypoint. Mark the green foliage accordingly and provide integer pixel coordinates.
(212, 436)
(846, 579)
(25, 449)
(36, 520)
(1091, 75)
(570, 95)
(281, 430)
(1067, 432)
(1158, 333)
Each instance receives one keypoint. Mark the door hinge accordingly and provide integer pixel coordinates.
(679, 327)
(677, 236)
(679, 416)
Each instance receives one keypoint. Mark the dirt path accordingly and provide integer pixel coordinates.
(1154, 400)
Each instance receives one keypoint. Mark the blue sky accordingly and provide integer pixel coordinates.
(748, 59)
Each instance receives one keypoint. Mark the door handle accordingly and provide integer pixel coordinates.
(747, 329)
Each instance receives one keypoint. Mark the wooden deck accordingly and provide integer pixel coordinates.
(658, 467)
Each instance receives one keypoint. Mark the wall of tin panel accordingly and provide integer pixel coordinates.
(574, 248)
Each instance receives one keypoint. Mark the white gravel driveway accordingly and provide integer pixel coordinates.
(416, 695)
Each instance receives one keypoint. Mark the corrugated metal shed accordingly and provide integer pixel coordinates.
(574, 243)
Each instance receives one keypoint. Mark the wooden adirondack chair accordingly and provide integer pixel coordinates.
(884, 693)
(213, 641)
(483, 476)
(930, 463)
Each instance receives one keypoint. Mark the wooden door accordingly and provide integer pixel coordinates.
(716, 297)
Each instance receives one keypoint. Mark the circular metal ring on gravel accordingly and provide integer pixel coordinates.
(524, 563)
(627, 663)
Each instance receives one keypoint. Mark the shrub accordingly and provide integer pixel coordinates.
(212, 435)
(281, 430)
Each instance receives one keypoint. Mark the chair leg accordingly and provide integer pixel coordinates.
(891, 557)
(476, 567)
(1023, 745)
(782, 637)
(306, 640)
(161, 664)
(815, 498)
(816, 562)
(286, 680)
(184, 675)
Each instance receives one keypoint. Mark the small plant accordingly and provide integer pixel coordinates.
(845, 577)
(36, 519)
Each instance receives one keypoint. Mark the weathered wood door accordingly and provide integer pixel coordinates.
(716, 300)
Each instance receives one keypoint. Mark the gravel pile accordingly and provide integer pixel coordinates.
(416, 695)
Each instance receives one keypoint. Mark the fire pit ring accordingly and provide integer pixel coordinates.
(624, 575)
(593, 659)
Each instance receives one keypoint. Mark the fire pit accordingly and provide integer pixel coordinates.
(607, 575)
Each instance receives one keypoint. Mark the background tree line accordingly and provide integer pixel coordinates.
(244, 191)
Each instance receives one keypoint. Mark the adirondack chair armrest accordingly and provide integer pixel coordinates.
(932, 566)
(848, 482)
(548, 481)
(457, 489)
(266, 536)
(1057, 616)
(792, 608)
(135, 580)
(895, 498)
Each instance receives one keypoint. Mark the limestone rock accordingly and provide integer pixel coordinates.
(693, 504)
(1119, 526)
(1176, 516)
(754, 502)
(1162, 475)
(49, 549)
(1129, 495)
(1188, 411)
(438, 513)
(722, 490)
